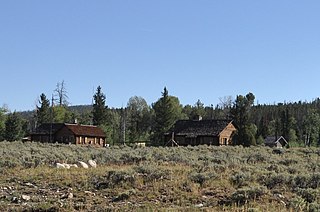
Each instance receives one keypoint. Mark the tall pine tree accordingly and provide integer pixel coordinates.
(167, 110)
(241, 116)
(3, 112)
(13, 124)
(99, 112)
(43, 111)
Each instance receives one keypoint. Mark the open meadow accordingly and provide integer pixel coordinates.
(201, 178)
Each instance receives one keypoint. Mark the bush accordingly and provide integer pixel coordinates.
(257, 158)
(240, 179)
(309, 195)
(275, 180)
(298, 204)
(150, 172)
(314, 181)
(243, 195)
(115, 179)
(300, 181)
(201, 178)
(124, 196)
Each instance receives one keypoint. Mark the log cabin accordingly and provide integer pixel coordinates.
(69, 134)
(199, 132)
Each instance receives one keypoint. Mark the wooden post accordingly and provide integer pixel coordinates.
(172, 141)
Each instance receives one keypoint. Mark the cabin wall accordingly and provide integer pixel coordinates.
(40, 138)
(88, 140)
(64, 135)
(200, 140)
(225, 137)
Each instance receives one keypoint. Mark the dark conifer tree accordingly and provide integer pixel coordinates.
(43, 111)
(99, 112)
(13, 127)
(241, 116)
(167, 110)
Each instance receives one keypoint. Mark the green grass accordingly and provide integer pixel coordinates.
(145, 179)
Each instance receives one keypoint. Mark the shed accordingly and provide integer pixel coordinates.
(273, 141)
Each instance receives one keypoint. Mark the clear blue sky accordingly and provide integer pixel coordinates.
(199, 49)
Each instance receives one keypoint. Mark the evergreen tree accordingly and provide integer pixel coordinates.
(2, 123)
(263, 129)
(43, 111)
(99, 112)
(311, 128)
(198, 109)
(241, 116)
(167, 110)
(13, 125)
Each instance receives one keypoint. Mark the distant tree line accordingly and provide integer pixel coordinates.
(298, 122)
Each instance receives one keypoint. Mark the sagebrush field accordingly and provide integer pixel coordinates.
(202, 178)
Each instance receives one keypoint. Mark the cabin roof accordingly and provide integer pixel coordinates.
(46, 128)
(274, 140)
(194, 128)
(85, 130)
(80, 130)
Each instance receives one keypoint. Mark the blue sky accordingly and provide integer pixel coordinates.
(204, 49)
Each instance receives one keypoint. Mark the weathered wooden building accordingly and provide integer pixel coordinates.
(198, 132)
(69, 134)
(273, 141)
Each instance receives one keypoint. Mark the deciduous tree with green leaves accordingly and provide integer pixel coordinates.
(139, 119)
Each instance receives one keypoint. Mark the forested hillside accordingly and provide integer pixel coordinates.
(298, 122)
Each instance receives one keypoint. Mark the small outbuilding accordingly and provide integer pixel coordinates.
(69, 134)
(274, 141)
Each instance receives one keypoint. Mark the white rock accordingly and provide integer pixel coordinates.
(92, 163)
(199, 205)
(70, 196)
(26, 197)
(83, 165)
(60, 165)
(73, 165)
(67, 166)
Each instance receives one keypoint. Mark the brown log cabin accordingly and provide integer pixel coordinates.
(199, 132)
(69, 134)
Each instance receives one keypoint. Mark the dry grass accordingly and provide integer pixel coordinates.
(178, 179)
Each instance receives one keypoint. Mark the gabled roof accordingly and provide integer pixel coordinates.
(80, 130)
(274, 140)
(85, 130)
(194, 128)
(46, 128)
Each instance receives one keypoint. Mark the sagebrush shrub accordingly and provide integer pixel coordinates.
(201, 178)
(240, 179)
(115, 179)
(309, 194)
(243, 195)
